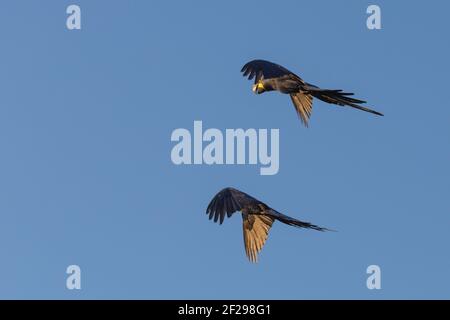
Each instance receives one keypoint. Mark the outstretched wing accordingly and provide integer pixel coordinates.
(262, 69)
(303, 105)
(256, 229)
(228, 201)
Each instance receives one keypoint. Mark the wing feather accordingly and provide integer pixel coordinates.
(256, 229)
(303, 105)
(262, 69)
(228, 201)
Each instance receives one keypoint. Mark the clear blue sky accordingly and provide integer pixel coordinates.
(85, 170)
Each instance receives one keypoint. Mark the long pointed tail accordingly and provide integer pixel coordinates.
(296, 223)
(340, 98)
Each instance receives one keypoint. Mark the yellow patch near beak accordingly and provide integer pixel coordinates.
(259, 87)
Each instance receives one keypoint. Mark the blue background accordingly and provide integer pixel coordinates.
(85, 170)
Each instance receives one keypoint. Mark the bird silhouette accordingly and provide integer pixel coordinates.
(270, 76)
(257, 218)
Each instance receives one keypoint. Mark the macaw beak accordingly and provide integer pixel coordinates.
(255, 88)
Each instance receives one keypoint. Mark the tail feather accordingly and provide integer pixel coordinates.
(340, 98)
(296, 223)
